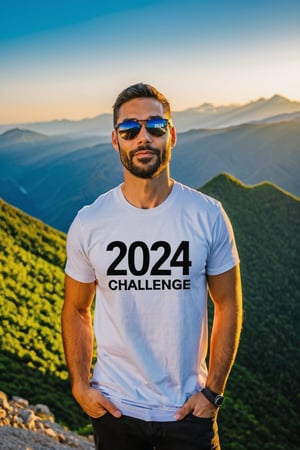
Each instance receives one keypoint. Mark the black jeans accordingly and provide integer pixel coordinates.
(127, 433)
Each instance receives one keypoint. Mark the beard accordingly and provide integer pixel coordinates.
(149, 166)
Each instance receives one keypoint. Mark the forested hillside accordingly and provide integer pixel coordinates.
(264, 383)
(32, 257)
(260, 411)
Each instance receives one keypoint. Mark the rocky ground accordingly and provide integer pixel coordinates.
(32, 427)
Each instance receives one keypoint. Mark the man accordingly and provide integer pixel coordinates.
(150, 249)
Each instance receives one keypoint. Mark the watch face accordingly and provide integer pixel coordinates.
(219, 400)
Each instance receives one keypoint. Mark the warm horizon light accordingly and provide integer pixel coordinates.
(72, 64)
(44, 115)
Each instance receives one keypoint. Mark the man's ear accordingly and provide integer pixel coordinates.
(173, 136)
(114, 140)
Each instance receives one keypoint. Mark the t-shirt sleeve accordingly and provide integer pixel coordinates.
(223, 253)
(78, 265)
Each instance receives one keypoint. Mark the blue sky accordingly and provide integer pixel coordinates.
(69, 59)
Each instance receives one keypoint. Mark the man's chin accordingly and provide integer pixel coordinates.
(144, 172)
(144, 175)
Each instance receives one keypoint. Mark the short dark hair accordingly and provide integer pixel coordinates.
(139, 90)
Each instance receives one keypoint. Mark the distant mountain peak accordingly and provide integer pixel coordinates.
(19, 135)
(276, 98)
(21, 132)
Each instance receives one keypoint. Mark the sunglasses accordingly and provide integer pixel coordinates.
(129, 129)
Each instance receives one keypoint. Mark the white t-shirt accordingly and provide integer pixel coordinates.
(150, 318)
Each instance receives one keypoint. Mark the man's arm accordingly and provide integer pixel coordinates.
(226, 293)
(77, 332)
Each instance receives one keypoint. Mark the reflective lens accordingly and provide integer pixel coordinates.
(129, 129)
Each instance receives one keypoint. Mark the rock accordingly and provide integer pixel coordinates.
(33, 427)
(3, 400)
(51, 433)
(43, 411)
(28, 418)
(20, 402)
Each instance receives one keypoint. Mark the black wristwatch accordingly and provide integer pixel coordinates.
(213, 397)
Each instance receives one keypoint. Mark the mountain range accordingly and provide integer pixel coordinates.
(206, 115)
(52, 175)
(261, 409)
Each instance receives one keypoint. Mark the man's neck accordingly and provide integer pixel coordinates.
(147, 193)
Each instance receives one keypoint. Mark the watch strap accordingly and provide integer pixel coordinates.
(215, 398)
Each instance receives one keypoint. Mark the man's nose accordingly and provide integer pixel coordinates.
(144, 135)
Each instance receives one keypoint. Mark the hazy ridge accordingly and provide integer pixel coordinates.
(206, 115)
(51, 177)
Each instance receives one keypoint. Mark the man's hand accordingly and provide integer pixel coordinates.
(94, 403)
(199, 406)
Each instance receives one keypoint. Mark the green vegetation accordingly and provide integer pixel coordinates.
(32, 364)
(260, 410)
(263, 389)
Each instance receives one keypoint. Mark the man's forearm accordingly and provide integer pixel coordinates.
(226, 293)
(77, 335)
(223, 344)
